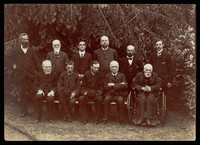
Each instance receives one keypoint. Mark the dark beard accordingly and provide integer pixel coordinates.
(25, 44)
(129, 55)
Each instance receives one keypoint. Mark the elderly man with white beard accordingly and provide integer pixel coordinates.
(147, 84)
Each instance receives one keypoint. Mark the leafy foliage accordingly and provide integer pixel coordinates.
(137, 24)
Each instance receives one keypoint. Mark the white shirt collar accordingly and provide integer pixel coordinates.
(24, 49)
(81, 52)
(160, 51)
(92, 73)
(104, 48)
(114, 74)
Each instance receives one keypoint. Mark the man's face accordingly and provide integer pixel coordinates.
(147, 72)
(70, 69)
(114, 68)
(47, 68)
(130, 51)
(81, 46)
(104, 42)
(56, 46)
(24, 41)
(159, 45)
(95, 68)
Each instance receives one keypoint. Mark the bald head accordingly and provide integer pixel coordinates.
(46, 66)
(114, 66)
(130, 50)
(104, 41)
(148, 69)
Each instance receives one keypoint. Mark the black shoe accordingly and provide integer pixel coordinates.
(105, 121)
(96, 122)
(38, 120)
(24, 114)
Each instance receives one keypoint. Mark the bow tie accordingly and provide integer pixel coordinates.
(159, 53)
(130, 58)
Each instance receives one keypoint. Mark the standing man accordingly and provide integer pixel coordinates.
(91, 90)
(57, 57)
(25, 63)
(46, 88)
(105, 55)
(129, 65)
(147, 84)
(68, 89)
(115, 86)
(82, 59)
(163, 65)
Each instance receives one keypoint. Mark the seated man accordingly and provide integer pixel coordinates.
(68, 89)
(147, 84)
(115, 86)
(45, 86)
(92, 91)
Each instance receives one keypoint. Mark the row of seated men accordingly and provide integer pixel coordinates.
(102, 89)
(24, 62)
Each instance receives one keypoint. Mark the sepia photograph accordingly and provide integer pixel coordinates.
(100, 72)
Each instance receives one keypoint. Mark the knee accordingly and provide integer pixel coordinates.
(38, 97)
(50, 98)
(107, 98)
(81, 98)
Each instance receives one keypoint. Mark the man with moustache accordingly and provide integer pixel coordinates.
(92, 90)
(130, 65)
(115, 86)
(57, 57)
(68, 88)
(147, 84)
(105, 55)
(82, 59)
(25, 63)
(46, 88)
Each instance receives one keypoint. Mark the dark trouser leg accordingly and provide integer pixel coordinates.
(149, 105)
(98, 104)
(38, 105)
(83, 106)
(120, 104)
(24, 97)
(141, 104)
(107, 101)
(63, 102)
(50, 106)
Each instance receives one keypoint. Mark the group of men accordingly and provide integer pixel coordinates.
(101, 77)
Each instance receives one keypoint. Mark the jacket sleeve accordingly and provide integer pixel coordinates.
(137, 82)
(78, 88)
(60, 85)
(37, 82)
(84, 85)
(157, 84)
(119, 86)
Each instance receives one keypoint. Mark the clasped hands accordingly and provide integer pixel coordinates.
(146, 88)
(40, 92)
(113, 84)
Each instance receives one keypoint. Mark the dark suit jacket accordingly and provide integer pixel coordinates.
(46, 82)
(92, 82)
(163, 66)
(71, 82)
(129, 70)
(118, 89)
(105, 57)
(141, 81)
(27, 64)
(58, 61)
(82, 64)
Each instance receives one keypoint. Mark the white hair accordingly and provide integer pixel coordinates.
(56, 41)
(46, 62)
(148, 66)
(104, 36)
(114, 63)
(131, 46)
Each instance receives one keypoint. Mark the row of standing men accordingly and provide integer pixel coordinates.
(25, 62)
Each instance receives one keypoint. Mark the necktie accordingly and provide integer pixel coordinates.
(158, 53)
(81, 55)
